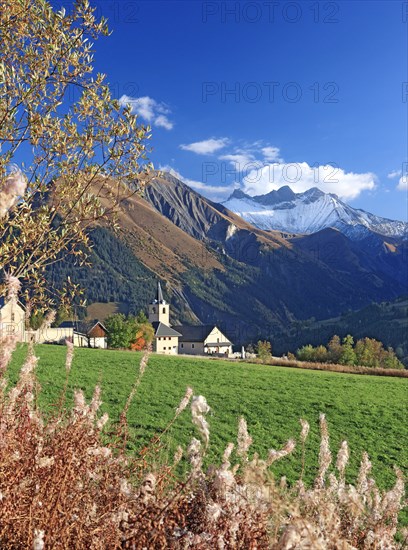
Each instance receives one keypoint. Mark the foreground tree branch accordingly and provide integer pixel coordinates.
(64, 165)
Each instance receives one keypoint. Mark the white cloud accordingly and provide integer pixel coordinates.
(248, 157)
(164, 122)
(205, 147)
(261, 169)
(394, 174)
(239, 160)
(210, 190)
(300, 177)
(214, 192)
(403, 179)
(151, 110)
(271, 154)
(403, 183)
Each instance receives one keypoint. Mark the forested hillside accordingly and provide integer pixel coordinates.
(386, 321)
(217, 268)
(115, 274)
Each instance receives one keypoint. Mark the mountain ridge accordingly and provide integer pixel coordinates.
(309, 212)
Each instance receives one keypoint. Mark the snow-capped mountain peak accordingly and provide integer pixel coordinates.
(309, 212)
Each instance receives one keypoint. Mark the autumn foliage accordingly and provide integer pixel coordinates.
(129, 332)
(366, 352)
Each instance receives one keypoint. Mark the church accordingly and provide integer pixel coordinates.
(184, 339)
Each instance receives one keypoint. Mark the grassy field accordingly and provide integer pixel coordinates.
(370, 412)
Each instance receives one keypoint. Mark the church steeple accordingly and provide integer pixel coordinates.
(159, 310)
(159, 297)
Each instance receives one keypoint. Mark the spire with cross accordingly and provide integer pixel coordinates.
(159, 296)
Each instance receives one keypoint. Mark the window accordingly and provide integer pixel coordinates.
(192, 345)
(12, 317)
(218, 340)
(182, 345)
(153, 310)
(164, 348)
(164, 310)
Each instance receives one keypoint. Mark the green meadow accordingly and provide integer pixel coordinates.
(370, 412)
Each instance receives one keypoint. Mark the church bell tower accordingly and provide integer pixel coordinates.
(159, 310)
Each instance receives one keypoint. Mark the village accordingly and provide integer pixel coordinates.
(168, 340)
(204, 285)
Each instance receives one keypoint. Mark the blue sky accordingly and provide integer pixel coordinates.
(234, 88)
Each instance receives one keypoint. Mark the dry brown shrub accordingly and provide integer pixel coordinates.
(61, 487)
(333, 367)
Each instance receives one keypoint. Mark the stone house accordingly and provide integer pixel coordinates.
(13, 321)
(87, 334)
(203, 340)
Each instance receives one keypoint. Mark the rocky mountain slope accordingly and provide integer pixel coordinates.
(289, 266)
(309, 212)
(218, 268)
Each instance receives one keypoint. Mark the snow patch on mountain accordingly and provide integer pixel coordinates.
(231, 230)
